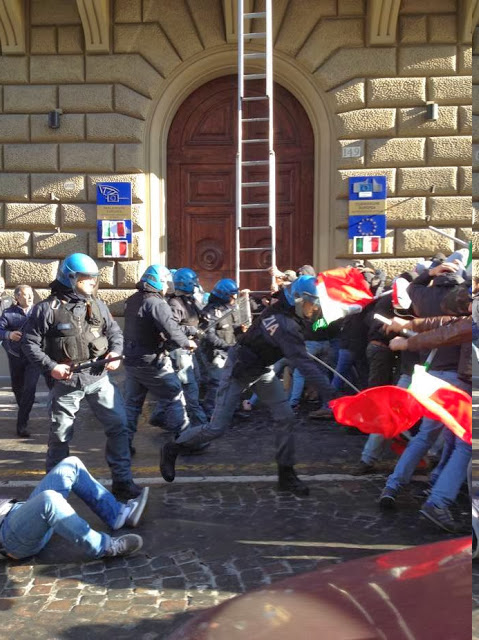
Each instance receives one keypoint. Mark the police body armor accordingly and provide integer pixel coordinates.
(140, 334)
(77, 333)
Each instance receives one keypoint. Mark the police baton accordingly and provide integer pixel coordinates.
(387, 321)
(94, 363)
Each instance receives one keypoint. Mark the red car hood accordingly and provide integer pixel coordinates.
(421, 593)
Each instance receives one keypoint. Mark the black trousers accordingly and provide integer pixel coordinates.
(24, 377)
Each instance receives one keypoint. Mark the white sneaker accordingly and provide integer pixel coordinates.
(131, 512)
(124, 545)
(247, 406)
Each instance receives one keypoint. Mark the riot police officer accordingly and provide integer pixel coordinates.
(223, 327)
(276, 333)
(71, 327)
(187, 314)
(149, 326)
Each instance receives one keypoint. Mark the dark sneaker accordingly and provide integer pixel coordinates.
(124, 545)
(124, 491)
(132, 450)
(440, 516)
(363, 469)
(132, 511)
(321, 414)
(289, 481)
(387, 499)
(168, 454)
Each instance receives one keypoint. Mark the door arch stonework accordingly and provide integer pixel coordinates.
(183, 82)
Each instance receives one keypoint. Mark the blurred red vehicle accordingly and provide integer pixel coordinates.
(422, 593)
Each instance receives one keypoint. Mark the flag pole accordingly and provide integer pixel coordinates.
(334, 371)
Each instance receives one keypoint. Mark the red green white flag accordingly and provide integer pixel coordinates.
(390, 410)
(342, 291)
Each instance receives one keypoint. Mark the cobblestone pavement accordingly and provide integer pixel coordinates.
(204, 541)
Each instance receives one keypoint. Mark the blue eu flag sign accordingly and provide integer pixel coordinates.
(367, 226)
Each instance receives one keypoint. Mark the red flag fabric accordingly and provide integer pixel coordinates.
(342, 291)
(390, 410)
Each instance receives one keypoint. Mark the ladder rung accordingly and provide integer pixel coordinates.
(254, 98)
(254, 184)
(257, 14)
(253, 270)
(254, 76)
(254, 35)
(256, 248)
(254, 56)
(252, 228)
(255, 140)
(254, 163)
(258, 205)
(255, 120)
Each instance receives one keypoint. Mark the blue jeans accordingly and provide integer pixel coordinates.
(455, 469)
(376, 444)
(28, 527)
(270, 391)
(162, 382)
(187, 369)
(106, 403)
(215, 371)
(321, 349)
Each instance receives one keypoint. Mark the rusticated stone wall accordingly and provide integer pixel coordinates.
(377, 96)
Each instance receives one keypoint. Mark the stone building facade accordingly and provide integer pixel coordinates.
(120, 70)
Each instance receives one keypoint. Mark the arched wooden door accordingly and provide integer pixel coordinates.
(202, 146)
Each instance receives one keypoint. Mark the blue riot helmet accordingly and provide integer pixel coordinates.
(74, 265)
(304, 289)
(185, 280)
(225, 289)
(158, 277)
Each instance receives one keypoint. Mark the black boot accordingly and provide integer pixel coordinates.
(168, 454)
(289, 481)
(125, 490)
(22, 431)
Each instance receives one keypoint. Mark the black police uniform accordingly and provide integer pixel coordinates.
(149, 326)
(68, 328)
(276, 333)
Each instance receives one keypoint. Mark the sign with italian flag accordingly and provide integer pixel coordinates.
(367, 244)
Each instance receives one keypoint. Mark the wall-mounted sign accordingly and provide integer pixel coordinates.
(114, 228)
(367, 214)
(367, 244)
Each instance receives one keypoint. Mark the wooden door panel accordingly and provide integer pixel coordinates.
(206, 186)
(201, 183)
(210, 246)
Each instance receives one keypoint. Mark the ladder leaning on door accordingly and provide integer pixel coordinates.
(268, 158)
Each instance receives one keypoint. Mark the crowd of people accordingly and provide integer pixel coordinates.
(204, 356)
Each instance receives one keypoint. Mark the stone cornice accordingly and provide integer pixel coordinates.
(95, 17)
(12, 27)
(382, 20)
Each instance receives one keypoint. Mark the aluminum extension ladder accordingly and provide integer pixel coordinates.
(263, 35)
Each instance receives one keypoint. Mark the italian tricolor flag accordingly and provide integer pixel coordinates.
(367, 244)
(390, 410)
(342, 291)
